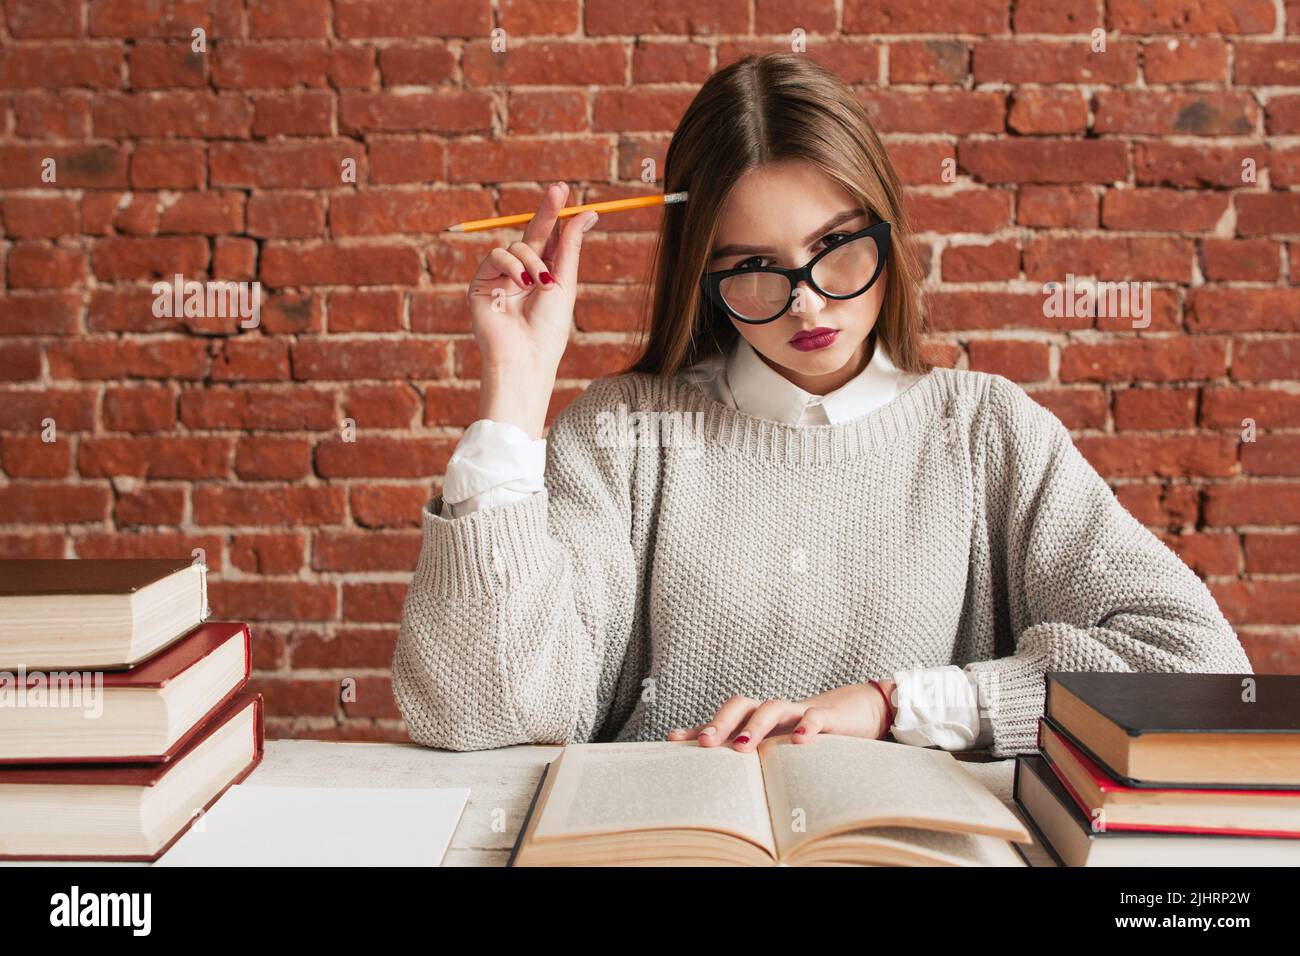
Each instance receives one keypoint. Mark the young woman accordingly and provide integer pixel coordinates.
(810, 529)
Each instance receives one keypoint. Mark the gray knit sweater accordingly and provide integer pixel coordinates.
(662, 571)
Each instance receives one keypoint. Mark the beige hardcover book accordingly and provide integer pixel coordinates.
(834, 801)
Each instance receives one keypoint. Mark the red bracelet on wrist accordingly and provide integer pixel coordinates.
(889, 708)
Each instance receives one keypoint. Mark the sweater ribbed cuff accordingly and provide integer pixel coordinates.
(485, 554)
(1014, 688)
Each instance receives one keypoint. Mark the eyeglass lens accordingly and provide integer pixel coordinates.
(844, 270)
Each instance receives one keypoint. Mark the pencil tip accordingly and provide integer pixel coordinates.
(456, 228)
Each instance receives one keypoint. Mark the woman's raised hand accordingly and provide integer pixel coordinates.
(521, 308)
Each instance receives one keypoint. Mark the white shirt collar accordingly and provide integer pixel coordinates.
(759, 390)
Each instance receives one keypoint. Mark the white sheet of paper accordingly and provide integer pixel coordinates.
(322, 826)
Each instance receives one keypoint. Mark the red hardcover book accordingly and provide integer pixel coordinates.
(1117, 806)
(123, 811)
(145, 714)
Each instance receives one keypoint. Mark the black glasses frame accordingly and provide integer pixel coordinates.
(711, 282)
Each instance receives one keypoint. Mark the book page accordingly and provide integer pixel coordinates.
(836, 783)
(615, 787)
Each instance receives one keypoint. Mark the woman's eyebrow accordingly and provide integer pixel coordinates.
(736, 249)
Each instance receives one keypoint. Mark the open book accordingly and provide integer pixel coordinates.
(835, 801)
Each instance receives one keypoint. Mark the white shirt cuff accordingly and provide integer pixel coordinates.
(938, 707)
(494, 463)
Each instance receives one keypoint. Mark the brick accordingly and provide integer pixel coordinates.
(1166, 114)
(333, 265)
(1162, 210)
(1166, 164)
(61, 66)
(941, 16)
(1024, 61)
(422, 64)
(308, 165)
(1044, 161)
(1258, 360)
(1242, 260)
(168, 166)
(691, 17)
(382, 406)
(1208, 16)
(1272, 310)
(1057, 207)
(981, 263)
(197, 114)
(88, 167)
(398, 211)
(285, 216)
(405, 18)
(39, 503)
(44, 217)
(41, 21)
(946, 112)
(253, 506)
(288, 19)
(39, 265)
(356, 359)
(52, 115)
(268, 553)
(379, 311)
(370, 457)
(28, 456)
(1146, 409)
(1039, 111)
(1017, 360)
(145, 409)
(148, 258)
(166, 65)
(554, 63)
(1185, 60)
(270, 459)
(1268, 214)
(154, 457)
(300, 113)
(1151, 360)
(292, 409)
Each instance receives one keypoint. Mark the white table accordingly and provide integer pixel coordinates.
(501, 784)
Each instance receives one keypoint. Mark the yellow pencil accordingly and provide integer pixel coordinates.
(613, 205)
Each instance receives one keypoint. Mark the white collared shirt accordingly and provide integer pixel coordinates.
(497, 463)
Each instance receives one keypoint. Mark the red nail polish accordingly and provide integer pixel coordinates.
(547, 278)
(800, 730)
(528, 280)
(742, 739)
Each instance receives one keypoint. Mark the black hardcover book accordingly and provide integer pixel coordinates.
(1137, 710)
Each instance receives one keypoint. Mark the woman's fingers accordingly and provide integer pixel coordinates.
(569, 249)
(510, 265)
(813, 722)
(539, 228)
(728, 718)
(532, 262)
(763, 720)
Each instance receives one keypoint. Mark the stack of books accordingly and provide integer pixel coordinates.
(124, 712)
(1166, 769)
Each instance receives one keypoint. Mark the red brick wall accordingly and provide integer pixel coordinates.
(180, 433)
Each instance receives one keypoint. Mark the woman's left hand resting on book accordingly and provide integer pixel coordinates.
(855, 710)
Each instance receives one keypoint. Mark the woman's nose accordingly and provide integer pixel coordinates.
(806, 299)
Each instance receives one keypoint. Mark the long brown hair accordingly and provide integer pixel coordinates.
(762, 109)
